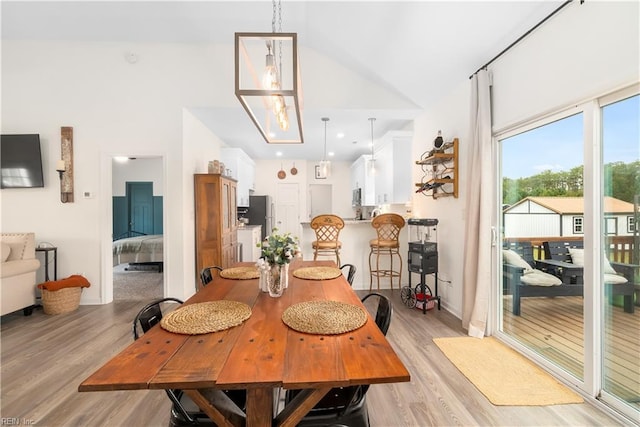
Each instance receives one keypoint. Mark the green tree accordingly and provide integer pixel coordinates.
(622, 182)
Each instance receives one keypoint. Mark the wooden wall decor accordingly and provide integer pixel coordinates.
(66, 149)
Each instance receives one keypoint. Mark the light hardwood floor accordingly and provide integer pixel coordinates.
(44, 359)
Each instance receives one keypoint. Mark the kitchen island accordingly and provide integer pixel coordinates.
(355, 237)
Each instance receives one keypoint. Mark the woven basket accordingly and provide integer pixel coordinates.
(61, 301)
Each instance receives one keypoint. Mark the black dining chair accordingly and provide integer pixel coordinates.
(184, 412)
(384, 311)
(347, 405)
(149, 316)
(351, 272)
(206, 276)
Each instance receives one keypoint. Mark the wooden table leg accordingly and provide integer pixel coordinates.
(300, 406)
(208, 408)
(259, 407)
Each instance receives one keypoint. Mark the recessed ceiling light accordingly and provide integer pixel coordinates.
(279, 153)
(340, 135)
(331, 154)
(121, 159)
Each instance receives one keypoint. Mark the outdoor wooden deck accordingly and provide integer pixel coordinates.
(553, 327)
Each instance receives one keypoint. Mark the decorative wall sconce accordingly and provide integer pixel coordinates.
(60, 168)
(65, 165)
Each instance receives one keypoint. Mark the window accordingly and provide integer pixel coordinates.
(611, 226)
(631, 224)
(578, 225)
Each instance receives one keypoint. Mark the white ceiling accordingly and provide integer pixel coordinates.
(406, 54)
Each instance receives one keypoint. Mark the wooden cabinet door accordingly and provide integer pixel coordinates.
(208, 221)
(215, 221)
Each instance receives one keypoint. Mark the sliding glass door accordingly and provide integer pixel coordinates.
(542, 203)
(619, 264)
(569, 256)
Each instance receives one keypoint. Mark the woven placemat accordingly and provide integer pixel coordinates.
(240, 273)
(205, 317)
(324, 317)
(317, 273)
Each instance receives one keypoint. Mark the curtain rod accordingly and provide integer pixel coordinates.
(523, 36)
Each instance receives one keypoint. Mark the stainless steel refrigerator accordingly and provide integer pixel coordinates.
(261, 212)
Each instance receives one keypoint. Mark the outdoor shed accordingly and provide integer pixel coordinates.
(563, 216)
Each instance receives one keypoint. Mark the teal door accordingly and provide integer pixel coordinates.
(140, 196)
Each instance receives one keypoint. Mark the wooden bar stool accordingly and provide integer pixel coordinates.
(327, 228)
(388, 228)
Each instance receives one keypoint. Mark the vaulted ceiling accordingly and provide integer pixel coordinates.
(359, 59)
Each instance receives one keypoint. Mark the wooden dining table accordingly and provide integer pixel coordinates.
(261, 355)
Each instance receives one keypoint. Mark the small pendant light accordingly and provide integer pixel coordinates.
(325, 165)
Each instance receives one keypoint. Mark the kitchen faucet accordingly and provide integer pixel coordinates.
(375, 212)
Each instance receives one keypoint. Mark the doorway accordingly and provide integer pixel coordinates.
(137, 230)
(585, 327)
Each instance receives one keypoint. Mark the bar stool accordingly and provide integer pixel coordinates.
(327, 228)
(388, 228)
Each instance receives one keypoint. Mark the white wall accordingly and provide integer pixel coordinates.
(137, 170)
(451, 116)
(585, 50)
(115, 108)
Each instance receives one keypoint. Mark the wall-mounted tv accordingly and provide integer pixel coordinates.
(21, 161)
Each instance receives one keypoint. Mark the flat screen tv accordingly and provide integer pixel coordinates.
(21, 161)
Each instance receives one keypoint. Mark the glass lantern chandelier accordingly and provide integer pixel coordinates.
(267, 82)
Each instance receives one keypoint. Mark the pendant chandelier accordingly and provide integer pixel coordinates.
(325, 165)
(271, 93)
(372, 161)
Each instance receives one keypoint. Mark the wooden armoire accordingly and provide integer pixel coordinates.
(215, 221)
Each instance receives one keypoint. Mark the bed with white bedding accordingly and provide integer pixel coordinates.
(139, 250)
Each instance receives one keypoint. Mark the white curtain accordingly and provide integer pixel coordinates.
(477, 250)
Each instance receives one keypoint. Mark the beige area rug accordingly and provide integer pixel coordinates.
(503, 375)
(136, 285)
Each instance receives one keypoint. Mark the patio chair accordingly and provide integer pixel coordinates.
(184, 412)
(569, 259)
(347, 405)
(524, 277)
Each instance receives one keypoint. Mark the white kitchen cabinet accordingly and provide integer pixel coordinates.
(362, 178)
(249, 236)
(243, 170)
(393, 168)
